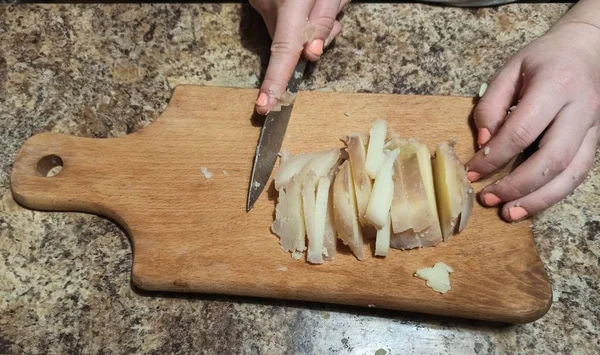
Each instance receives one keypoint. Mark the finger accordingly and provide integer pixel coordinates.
(492, 108)
(558, 188)
(322, 16)
(554, 155)
(268, 12)
(538, 107)
(337, 29)
(286, 48)
(343, 5)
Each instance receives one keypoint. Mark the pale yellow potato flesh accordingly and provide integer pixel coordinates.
(413, 202)
(414, 215)
(382, 243)
(454, 193)
(314, 232)
(378, 210)
(345, 212)
(375, 155)
(357, 152)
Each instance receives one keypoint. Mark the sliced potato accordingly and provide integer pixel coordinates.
(290, 166)
(414, 216)
(345, 213)
(356, 148)
(382, 243)
(455, 195)
(321, 207)
(315, 239)
(378, 210)
(375, 155)
(281, 226)
(321, 164)
(296, 215)
(330, 236)
(289, 218)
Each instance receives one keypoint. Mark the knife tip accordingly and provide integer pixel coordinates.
(249, 204)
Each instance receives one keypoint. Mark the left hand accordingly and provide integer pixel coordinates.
(556, 82)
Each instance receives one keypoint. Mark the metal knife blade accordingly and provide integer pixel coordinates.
(271, 138)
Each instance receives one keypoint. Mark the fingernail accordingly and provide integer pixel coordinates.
(316, 47)
(473, 176)
(491, 200)
(484, 136)
(517, 213)
(262, 99)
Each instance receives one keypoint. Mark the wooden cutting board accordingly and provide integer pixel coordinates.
(193, 234)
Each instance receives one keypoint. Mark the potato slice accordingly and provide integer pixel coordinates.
(357, 152)
(382, 243)
(315, 239)
(378, 210)
(321, 164)
(345, 213)
(290, 166)
(330, 237)
(281, 227)
(296, 215)
(289, 218)
(375, 155)
(414, 215)
(455, 195)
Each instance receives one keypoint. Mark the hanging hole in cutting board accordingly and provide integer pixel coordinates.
(50, 165)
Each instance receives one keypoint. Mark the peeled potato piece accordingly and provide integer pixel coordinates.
(382, 243)
(296, 215)
(414, 215)
(289, 219)
(356, 148)
(290, 166)
(375, 155)
(454, 193)
(316, 245)
(330, 236)
(315, 237)
(345, 213)
(378, 210)
(321, 164)
(281, 227)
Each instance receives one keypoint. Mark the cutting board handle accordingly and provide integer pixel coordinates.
(50, 168)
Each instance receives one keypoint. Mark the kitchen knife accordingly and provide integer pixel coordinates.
(271, 138)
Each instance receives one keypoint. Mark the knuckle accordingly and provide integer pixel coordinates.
(559, 160)
(594, 102)
(326, 22)
(579, 173)
(544, 201)
(283, 48)
(564, 79)
(521, 137)
(482, 111)
(508, 190)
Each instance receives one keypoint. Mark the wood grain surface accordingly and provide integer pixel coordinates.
(193, 234)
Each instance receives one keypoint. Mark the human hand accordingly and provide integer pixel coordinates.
(556, 82)
(296, 27)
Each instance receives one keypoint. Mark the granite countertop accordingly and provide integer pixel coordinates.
(108, 70)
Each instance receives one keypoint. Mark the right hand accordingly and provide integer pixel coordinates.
(292, 36)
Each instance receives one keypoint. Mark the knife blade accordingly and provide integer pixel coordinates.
(270, 140)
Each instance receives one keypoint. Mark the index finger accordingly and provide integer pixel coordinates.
(286, 48)
(538, 107)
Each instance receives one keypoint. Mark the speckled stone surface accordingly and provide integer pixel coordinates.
(105, 71)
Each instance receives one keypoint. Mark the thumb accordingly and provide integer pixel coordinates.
(286, 48)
